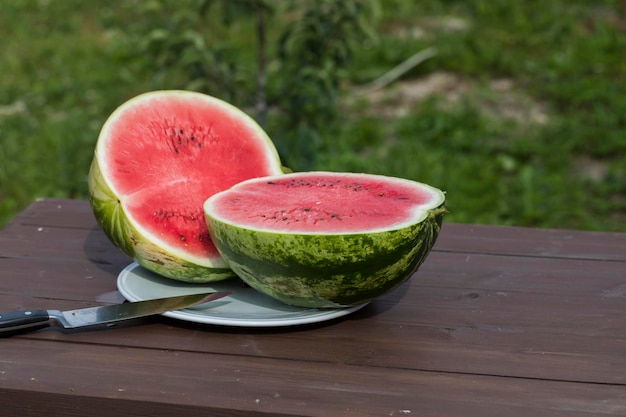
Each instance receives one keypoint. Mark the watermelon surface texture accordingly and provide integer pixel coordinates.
(159, 156)
(324, 239)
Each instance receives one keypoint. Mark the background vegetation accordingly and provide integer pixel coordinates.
(518, 112)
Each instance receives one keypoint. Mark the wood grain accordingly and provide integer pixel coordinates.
(499, 321)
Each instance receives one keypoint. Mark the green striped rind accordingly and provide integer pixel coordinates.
(110, 214)
(325, 270)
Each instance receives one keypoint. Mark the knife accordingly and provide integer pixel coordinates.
(15, 322)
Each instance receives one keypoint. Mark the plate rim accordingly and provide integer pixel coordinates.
(189, 315)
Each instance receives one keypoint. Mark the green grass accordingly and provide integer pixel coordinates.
(529, 128)
(59, 78)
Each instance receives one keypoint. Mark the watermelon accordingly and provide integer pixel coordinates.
(325, 239)
(158, 157)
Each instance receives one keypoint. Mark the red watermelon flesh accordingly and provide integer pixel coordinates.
(325, 202)
(325, 239)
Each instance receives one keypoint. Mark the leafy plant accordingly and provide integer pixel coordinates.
(314, 52)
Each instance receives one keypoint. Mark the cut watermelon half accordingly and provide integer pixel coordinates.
(159, 156)
(325, 239)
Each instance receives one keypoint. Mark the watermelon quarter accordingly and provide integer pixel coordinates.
(159, 156)
(325, 239)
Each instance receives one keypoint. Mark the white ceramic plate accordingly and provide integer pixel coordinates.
(245, 307)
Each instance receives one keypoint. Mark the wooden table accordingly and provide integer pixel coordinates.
(499, 321)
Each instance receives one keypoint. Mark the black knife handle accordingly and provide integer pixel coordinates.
(16, 322)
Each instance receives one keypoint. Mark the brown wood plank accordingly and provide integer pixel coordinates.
(20, 404)
(23, 241)
(465, 238)
(567, 292)
(513, 273)
(521, 335)
(502, 273)
(562, 292)
(417, 347)
(53, 212)
(260, 385)
(550, 243)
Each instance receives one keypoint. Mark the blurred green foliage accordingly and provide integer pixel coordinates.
(520, 117)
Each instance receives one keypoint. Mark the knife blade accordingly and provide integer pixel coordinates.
(22, 321)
